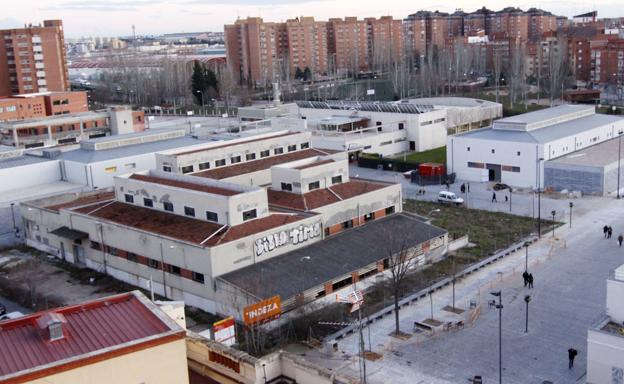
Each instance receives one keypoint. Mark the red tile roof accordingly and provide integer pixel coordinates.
(93, 331)
(80, 200)
(322, 197)
(182, 227)
(258, 165)
(229, 144)
(186, 185)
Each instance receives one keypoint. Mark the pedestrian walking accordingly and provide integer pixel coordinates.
(468, 188)
(463, 188)
(605, 230)
(448, 186)
(530, 280)
(609, 232)
(525, 276)
(620, 239)
(571, 355)
(493, 197)
(506, 198)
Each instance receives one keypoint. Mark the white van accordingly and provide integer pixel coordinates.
(449, 198)
(11, 315)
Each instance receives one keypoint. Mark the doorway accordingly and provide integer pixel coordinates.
(494, 172)
(79, 256)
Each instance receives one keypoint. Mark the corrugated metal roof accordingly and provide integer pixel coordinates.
(98, 327)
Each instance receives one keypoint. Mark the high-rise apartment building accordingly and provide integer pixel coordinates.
(32, 59)
(307, 44)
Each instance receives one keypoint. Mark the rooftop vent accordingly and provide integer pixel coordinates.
(52, 325)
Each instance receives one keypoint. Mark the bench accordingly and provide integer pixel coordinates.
(422, 327)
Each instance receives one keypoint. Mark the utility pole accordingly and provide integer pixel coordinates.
(510, 193)
(619, 157)
(527, 300)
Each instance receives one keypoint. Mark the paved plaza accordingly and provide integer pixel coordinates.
(570, 281)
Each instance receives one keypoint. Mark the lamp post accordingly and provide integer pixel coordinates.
(571, 206)
(202, 98)
(264, 370)
(510, 193)
(304, 258)
(619, 156)
(499, 306)
(526, 258)
(13, 218)
(553, 213)
(527, 300)
(539, 198)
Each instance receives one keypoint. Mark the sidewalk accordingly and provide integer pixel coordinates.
(570, 278)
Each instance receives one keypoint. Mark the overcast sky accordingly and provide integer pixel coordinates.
(116, 17)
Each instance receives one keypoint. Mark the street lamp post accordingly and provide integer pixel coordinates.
(510, 193)
(571, 206)
(539, 198)
(527, 300)
(526, 258)
(500, 334)
(553, 213)
(13, 218)
(304, 258)
(619, 157)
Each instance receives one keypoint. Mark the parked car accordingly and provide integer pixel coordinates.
(500, 186)
(447, 197)
(11, 315)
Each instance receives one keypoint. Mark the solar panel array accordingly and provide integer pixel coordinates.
(369, 106)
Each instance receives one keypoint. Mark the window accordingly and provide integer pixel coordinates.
(401, 126)
(189, 211)
(515, 169)
(168, 206)
(250, 156)
(305, 145)
(204, 165)
(130, 165)
(314, 185)
(174, 270)
(337, 179)
(187, 169)
(220, 163)
(248, 215)
(132, 257)
(286, 187)
(166, 168)
(369, 216)
(110, 169)
(235, 159)
(212, 216)
(148, 202)
(153, 263)
(426, 123)
(347, 224)
(278, 151)
(292, 148)
(493, 151)
(265, 153)
(390, 210)
(385, 143)
(199, 277)
(112, 251)
(129, 198)
(475, 165)
(379, 129)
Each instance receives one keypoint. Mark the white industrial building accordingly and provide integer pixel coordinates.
(605, 338)
(464, 113)
(374, 127)
(220, 245)
(514, 149)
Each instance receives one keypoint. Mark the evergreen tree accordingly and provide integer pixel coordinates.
(298, 74)
(307, 74)
(197, 82)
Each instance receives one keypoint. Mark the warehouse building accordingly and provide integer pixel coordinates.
(188, 233)
(463, 113)
(514, 149)
(592, 171)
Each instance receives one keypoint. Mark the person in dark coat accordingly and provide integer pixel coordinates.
(530, 280)
(620, 239)
(605, 230)
(463, 188)
(571, 355)
(525, 276)
(493, 197)
(609, 232)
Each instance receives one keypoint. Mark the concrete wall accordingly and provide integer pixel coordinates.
(301, 178)
(588, 180)
(30, 175)
(605, 352)
(163, 364)
(615, 305)
(369, 141)
(100, 174)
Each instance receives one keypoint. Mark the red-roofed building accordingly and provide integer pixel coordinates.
(123, 339)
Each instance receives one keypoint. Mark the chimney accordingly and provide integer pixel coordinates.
(52, 325)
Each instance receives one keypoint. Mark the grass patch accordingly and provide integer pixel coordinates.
(436, 155)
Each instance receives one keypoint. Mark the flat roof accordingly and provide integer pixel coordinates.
(232, 143)
(598, 155)
(92, 331)
(459, 102)
(19, 161)
(339, 120)
(286, 275)
(260, 164)
(546, 114)
(315, 164)
(545, 134)
(215, 190)
(87, 156)
(322, 197)
(54, 120)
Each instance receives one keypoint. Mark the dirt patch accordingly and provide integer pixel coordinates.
(401, 335)
(372, 356)
(433, 322)
(455, 310)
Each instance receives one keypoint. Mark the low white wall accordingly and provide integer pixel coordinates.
(29, 175)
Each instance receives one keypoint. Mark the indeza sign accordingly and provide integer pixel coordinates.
(262, 311)
(295, 236)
